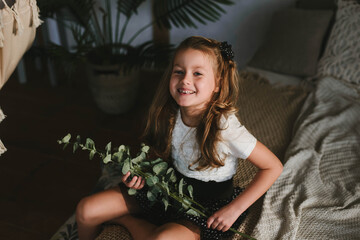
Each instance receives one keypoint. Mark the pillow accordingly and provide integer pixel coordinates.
(276, 78)
(269, 113)
(341, 58)
(293, 43)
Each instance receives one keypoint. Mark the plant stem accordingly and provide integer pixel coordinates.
(108, 6)
(123, 30)
(138, 32)
(83, 147)
(117, 26)
(97, 25)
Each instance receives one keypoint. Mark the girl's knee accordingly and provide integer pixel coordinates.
(84, 211)
(159, 234)
(173, 231)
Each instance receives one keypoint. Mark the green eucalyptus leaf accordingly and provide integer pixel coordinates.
(140, 158)
(66, 139)
(151, 181)
(78, 139)
(107, 159)
(126, 166)
(165, 202)
(92, 154)
(156, 190)
(108, 148)
(132, 191)
(185, 203)
(170, 175)
(122, 148)
(151, 196)
(181, 186)
(190, 191)
(156, 161)
(118, 156)
(192, 212)
(145, 148)
(165, 185)
(90, 144)
(75, 147)
(147, 175)
(144, 164)
(65, 145)
(160, 168)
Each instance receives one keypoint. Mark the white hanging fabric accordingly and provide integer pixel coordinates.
(18, 24)
(2, 147)
(2, 115)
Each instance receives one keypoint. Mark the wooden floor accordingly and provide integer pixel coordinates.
(41, 183)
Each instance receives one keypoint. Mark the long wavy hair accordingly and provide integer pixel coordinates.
(162, 113)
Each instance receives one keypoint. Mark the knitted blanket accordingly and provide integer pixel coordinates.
(318, 194)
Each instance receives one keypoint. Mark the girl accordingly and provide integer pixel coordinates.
(192, 123)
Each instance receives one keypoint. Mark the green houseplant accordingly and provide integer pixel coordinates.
(102, 41)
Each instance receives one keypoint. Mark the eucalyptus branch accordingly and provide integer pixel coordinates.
(159, 177)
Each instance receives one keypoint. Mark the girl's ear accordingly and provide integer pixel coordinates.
(217, 85)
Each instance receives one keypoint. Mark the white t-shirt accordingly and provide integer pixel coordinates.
(236, 143)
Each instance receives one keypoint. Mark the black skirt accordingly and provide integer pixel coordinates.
(211, 195)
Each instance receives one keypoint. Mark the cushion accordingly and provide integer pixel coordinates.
(341, 58)
(293, 43)
(276, 78)
(269, 113)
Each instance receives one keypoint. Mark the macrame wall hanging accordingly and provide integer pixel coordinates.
(18, 25)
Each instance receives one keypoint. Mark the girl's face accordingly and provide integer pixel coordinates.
(192, 81)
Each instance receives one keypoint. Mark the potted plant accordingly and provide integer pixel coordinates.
(99, 35)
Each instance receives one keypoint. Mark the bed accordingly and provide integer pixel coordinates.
(300, 96)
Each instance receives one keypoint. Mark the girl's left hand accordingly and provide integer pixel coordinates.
(222, 219)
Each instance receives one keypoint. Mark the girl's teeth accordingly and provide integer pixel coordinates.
(186, 91)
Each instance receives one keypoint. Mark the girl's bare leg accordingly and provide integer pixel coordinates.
(141, 229)
(138, 228)
(92, 211)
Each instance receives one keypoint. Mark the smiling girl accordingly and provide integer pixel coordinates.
(192, 124)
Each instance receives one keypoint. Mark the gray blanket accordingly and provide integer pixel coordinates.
(318, 194)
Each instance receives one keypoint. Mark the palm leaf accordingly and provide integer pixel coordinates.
(76, 11)
(185, 13)
(129, 7)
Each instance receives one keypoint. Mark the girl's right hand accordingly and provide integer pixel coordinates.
(135, 183)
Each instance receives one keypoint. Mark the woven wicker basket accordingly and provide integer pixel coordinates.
(114, 92)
